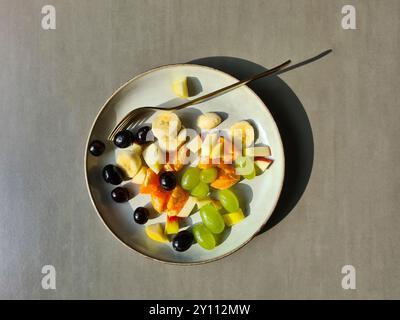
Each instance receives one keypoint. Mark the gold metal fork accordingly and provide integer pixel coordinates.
(134, 115)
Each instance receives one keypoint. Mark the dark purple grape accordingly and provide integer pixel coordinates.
(120, 194)
(123, 139)
(182, 241)
(141, 215)
(97, 148)
(112, 174)
(141, 135)
(168, 180)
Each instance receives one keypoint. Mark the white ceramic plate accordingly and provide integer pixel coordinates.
(258, 197)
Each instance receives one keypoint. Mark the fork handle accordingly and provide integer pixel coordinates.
(232, 86)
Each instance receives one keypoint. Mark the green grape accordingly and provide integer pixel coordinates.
(212, 219)
(228, 200)
(200, 191)
(251, 175)
(203, 236)
(208, 175)
(190, 178)
(245, 167)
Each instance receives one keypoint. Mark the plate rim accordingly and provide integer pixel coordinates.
(165, 66)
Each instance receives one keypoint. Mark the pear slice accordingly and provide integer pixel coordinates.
(233, 218)
(187, 208)
(263, 151)
(156, 233)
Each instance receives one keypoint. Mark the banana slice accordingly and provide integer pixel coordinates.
(129, 162)
(168, 143)
(153, 157)
(140, 176)
(208, 120)
(243, 132)
(135, 148)
(165, 124)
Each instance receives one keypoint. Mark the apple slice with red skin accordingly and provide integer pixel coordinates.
(262, 151)
(172, 225)
(263, 163)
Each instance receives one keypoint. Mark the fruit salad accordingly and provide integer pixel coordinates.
(186, 170)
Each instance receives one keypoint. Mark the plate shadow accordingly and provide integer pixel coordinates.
(292, 122)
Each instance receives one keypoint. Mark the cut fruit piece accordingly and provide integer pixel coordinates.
(226, 169)
(242, 132)
(225, 182)
(152, 155)
(177, 200)
(172, 225)
(210, 141)
(182, 158)
(244, 166)
(263, 151)
(252, 175)
(208, 120)
(167, 143)
(156, 233)
(226, 177)
(159, 199)
(129, 162)
(194, 144)
(140, 176)
(203, 202)
(217, 204)
(225, 150)
(180, 88)
(231, 151)
(173, 143)
(168, 167)
(233, 217)
(262, 163)
(182, 136)
(165, 124)
(135, 148)
(187, 208)
(205, 163)
(150, 183)
(217, 151)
